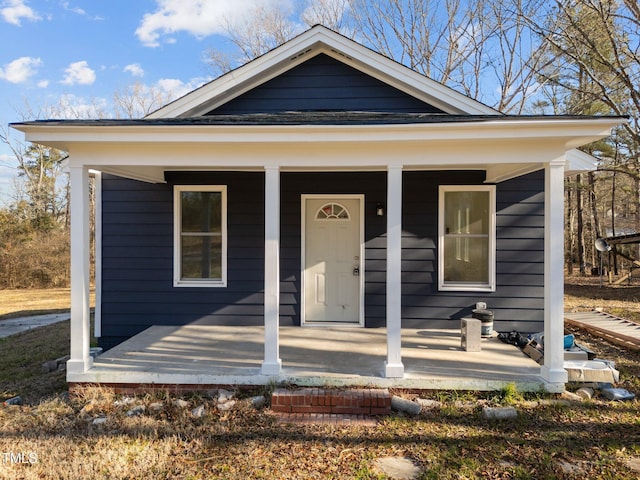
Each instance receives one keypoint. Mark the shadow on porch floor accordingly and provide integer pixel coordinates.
(316, 356)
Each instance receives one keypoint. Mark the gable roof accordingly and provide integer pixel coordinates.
(315, 41)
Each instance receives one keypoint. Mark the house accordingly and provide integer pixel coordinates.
(321, 184)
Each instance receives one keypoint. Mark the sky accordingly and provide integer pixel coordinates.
(83, 51)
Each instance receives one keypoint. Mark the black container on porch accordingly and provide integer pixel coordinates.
(486, 318)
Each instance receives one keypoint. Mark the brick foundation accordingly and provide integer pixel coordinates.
(343, 402)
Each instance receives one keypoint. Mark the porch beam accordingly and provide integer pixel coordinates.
(553, 369)
(80, 361)
(393, 366)
(272, 364)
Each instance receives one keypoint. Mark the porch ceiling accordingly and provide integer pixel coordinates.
(209, 355)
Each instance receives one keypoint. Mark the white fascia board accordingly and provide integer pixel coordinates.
(313, 42)
(570, 133)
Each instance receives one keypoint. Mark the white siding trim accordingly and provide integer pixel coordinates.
(177, 237)
(490, 286)
(97, 243)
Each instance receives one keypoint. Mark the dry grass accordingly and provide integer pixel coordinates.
(586, 293)
(33, 301)
(594, 439)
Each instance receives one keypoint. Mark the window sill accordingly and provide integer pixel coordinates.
(199, 284)
(466, 288)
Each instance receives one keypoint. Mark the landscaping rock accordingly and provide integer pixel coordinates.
(156, 407)
(224, 395)
(499, 413)
(180, 403)
(99, 421)
(403, 405)
(633, 463)
(124, 401)
(224, 407)
(198, 412)
(136, 411)
(49, 366)
(428, 404)
(398, 468)
(258, 402)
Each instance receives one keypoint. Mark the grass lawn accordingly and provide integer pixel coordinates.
(549, 439)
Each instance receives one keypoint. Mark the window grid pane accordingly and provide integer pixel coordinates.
(465, 254)
(201, 236)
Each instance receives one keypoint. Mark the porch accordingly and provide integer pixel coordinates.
(201, 355)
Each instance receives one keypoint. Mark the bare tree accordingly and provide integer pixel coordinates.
(254, 34)
(138, 100)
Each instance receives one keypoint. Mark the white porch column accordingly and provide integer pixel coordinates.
(272, 363)
(552, 370)
(393, 365)
(80, 360)
(97, 243)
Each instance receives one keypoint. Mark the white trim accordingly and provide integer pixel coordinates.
(336, 197)
(272, 364)
(490, 286)
(314, 41)
(97, 243)
(394, 367)
(579, 161)
(553, 369)
(178, 281)
(80, 360)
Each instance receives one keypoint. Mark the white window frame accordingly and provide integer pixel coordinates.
(178, 281)
(489, 286)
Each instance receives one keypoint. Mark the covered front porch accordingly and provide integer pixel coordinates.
(204, 355)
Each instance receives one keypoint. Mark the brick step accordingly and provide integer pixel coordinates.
(362, 401)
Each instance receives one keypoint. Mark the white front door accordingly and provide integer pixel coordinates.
(332, 260)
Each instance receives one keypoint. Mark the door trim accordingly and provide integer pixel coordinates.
(303, 229)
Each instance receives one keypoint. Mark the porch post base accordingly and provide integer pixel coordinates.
(271, 368)
(554, 375)
(79, 365)
(393, 370)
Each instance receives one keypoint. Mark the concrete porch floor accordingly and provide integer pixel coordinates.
(311, 356)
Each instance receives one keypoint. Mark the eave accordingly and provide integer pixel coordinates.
(504, 147)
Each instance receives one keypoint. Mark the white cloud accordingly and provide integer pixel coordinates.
(13, 11)
(135, 69)
(197, 17)
(20, 70)
(43, 83)
(79, 73)
(174, 88)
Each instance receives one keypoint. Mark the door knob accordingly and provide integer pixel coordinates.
(356, 271)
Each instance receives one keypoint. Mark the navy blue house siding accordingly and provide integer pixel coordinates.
(137, 256)
(518, 301)
(137, 252)
(323, 84)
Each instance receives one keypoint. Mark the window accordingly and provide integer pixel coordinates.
(200, 236)
(332, 211)
(467, 238)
